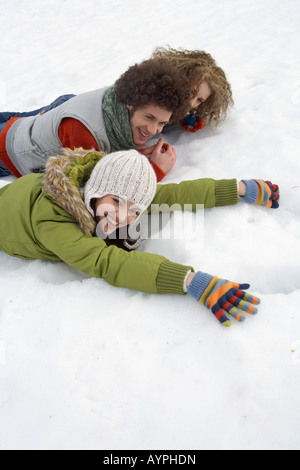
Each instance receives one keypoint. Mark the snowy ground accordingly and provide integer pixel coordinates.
(86, 366)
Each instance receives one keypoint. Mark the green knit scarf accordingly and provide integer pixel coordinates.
(117, 123)
(81, 167)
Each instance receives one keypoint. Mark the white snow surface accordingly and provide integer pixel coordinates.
(84, 365)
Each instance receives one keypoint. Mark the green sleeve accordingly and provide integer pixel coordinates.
(135, 270)
(33, 227)
(207, 192)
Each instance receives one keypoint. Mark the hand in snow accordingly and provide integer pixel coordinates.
(259, 192)
(222, 296)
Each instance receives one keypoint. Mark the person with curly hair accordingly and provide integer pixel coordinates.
(121, 117)
(211, 95)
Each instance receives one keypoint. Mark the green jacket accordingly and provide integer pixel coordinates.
(33, 226)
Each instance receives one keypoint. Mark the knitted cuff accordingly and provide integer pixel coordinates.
(198, 284)
(226, 192)
(160, 174)
(170, 278)
(251, 191)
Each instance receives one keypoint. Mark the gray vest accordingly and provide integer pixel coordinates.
(32, 140)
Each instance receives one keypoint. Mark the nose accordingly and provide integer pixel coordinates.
(153, 128)
(194, 102)
(124, 216)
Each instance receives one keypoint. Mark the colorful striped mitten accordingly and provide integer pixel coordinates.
(192, 123)
(262, 193)
(220, 296)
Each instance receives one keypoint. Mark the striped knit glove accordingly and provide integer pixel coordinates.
(262, 193)
(220, 296)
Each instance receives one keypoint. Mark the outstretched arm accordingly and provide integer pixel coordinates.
(205, 191)
(214, 193)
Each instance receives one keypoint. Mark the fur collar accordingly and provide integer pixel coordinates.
(63, 191)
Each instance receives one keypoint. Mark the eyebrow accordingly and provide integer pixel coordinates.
(154, 117)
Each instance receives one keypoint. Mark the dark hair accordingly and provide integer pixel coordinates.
(123, 243)
(157, 82)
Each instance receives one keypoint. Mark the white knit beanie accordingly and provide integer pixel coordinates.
(126, 174)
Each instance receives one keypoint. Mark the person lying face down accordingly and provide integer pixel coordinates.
(53, 216)
(210, 90)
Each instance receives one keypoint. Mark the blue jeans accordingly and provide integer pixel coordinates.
(5, 117)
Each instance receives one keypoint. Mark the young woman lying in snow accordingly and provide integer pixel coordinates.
(211, 95)
(45, 216)
(210, 92)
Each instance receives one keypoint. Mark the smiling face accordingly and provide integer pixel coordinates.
(113, 212)
(201, 94)
(147, 122)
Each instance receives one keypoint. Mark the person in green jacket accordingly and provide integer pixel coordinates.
(52, 216)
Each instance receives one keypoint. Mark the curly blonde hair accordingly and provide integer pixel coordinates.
(199, 67)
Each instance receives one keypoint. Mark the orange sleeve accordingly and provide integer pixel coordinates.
(73, 134)
(160, 174)
(3, 153)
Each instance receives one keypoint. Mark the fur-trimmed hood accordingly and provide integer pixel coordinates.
(61, 182)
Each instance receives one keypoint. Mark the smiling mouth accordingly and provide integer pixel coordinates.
(111, 222)
(143, 134)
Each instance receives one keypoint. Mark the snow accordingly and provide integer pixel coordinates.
(84, 365)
